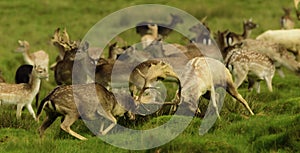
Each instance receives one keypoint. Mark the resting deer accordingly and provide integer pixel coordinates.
(234, 38)
(203, 74)
(23, 94)
(163, 29)
(286, 21)
(36, 58)
(74, 102)
(148, 38)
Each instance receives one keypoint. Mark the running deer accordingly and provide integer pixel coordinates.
(23, 94)
(234, 38)
(145, 75)
(286, 21)
(74, 102)
(203, 74)
(163, 29)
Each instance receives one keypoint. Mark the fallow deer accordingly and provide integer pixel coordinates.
(22, 94)
(148, 38)
(36, 58)
(202, 74)
(163, 29)
(234, 38)
(74, 102)
(286, 21)
(245, 63)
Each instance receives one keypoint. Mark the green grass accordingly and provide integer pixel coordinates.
(274, 128)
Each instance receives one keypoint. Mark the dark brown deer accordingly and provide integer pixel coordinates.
(234, 38)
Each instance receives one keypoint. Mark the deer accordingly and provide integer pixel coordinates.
(245, 63)
(62, 41)
(276, 52)
(163, 29)
(36, 58)
(145, 75)
(201, 76)
(234, 38)
(148, 38)
(290, 40)
(286, 21)
(74, 102)
(23, 75)
(23, 94)
(76, 67)
(202, 32)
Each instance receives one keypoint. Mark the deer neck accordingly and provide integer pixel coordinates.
(155, 33)
(246, 32)
(28, 57)
(35, 83)
(112, 54)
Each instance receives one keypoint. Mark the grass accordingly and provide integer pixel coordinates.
(274, 128)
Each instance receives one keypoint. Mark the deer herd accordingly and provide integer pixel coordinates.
(86, 81)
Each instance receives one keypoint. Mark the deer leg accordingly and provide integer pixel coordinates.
(269, 83)
(234, 93)
(111, 118)
(214, 102)
(19, 110)
(29, 107)
(66, 126)
(239, 76)
(257, 84)
(37, 100)
(46, 123)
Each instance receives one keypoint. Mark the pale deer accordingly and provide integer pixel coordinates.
(148, 38)
(74, 102)
(36, 58)
(203, 74)
(288, 38)
(23, 94)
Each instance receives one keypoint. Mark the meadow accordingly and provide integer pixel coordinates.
(274, 128)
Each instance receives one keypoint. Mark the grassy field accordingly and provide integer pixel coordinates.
(274, 128)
